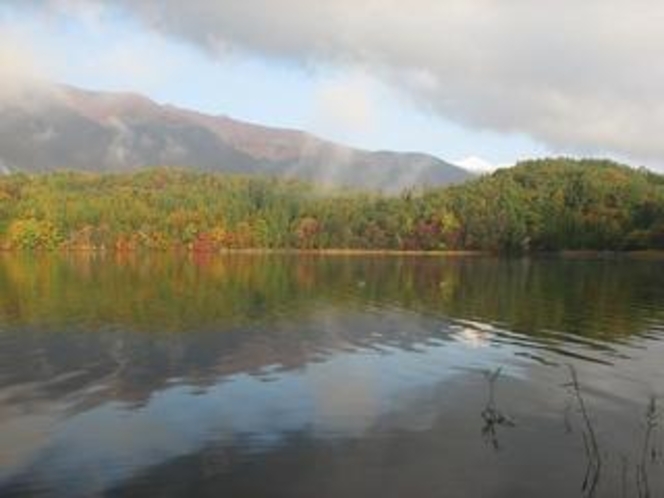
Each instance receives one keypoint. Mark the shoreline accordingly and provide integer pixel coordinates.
(641, 254)
(580, 254)
(253, 251)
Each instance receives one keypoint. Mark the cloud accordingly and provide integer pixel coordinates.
(345, 105)
(582, 76)
(136, 61)
(476, 164)
(19, 65)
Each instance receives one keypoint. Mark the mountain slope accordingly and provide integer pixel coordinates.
(49, 128)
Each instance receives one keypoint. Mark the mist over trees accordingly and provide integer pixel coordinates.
(542, 205)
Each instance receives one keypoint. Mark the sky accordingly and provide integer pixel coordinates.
(499, 80)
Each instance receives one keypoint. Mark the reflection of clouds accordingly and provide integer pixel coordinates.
(472, 333)
(473, 337)
(347, 395)
(21, 438)
(329, 370)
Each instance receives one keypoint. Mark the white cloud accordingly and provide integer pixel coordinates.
(91, 15)
(19, 64)
(345, 105)
(476, 164)
(583, 76)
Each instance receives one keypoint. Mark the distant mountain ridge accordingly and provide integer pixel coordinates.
(61, 127)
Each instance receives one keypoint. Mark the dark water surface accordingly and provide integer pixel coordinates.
(287, 376)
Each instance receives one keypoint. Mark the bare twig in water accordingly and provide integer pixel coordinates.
(593, 454)
(567, 418)
(648, 451)
(493, 417)
(624, 464)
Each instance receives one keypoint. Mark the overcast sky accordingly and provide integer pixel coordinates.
(500, 79)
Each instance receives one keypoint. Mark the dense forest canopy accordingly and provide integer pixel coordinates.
(541, 205)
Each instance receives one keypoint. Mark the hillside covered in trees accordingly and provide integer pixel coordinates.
(543, 205)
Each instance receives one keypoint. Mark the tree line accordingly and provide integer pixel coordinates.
(539, 205)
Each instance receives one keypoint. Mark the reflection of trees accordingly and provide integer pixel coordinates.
(594, 299)
(133, 322)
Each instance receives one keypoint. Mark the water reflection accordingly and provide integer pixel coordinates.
(277, 375)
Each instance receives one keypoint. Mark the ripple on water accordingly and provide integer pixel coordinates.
(324, 377)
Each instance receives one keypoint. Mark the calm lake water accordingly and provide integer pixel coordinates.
(288, 376)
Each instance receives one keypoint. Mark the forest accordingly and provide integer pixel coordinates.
(536, 206)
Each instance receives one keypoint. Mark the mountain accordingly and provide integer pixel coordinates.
(51, 127)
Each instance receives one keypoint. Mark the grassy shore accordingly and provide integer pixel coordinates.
(584, 254)
(182, 250)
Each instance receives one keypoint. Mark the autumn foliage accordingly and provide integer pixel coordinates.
(543, 205)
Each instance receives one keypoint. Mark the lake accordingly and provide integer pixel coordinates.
(305, 376)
